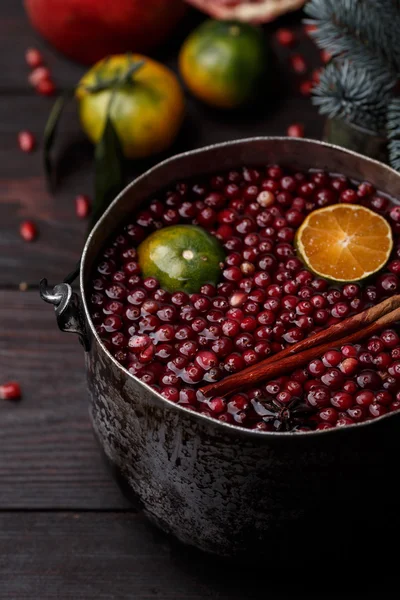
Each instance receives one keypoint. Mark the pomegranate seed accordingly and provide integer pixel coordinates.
(310, 28)
(285, 37)
(316, 75)
(26, 141)
(325, 56)
(82, 206)
(33, 58)
(306, 87)
(295, 130)
(10, 391)
(46, 87)
(38, 75)
(28, 231)
(298, 64)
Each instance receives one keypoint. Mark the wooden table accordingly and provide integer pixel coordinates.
(65, 529)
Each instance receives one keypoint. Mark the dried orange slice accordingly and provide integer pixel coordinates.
(344, 242)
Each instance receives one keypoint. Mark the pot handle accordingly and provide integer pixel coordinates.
(67, 306)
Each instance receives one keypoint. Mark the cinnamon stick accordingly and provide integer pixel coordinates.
(350, 330)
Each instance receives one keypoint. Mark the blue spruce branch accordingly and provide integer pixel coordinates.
(393, 131)
(348, 91)
(366, 31)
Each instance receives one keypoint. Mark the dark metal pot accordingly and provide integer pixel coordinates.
(215, 486)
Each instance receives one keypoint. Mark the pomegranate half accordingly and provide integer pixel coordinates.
(253, 11)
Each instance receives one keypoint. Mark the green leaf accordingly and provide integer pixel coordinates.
(50, 134)
(109, 176)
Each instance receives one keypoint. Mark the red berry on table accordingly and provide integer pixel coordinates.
(306, 87)
(295, 130)
(28, 231)
(33, 58)
(285, 37)
(310, 28)
(26, 141)
(298, 64)
(82, 206)
(39, 74)
(325, 56)
(316, 75)
(46, 88)
(10, 391)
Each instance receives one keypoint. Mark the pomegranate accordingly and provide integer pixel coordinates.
(88, 30)
(254, 11)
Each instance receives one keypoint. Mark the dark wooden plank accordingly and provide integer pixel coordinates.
(105, 556)
(48, 457)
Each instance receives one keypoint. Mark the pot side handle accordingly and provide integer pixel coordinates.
(68, 309)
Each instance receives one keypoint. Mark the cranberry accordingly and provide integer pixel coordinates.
(333, 378)
(342, 400)
(369, 379)
(379, 204)
(340, 310)
(222, 346)
(328, 415)
(394, 214)
(382, 360)
(388, 284)
(233, 363)
(377, 410)
(332, 358)
(390, 338)
(316, 367)
(349, 196)
(265, 199)
(394, 369)
(349, 366)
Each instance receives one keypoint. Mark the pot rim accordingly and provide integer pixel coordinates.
(264, 435)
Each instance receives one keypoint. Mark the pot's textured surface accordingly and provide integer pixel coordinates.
(232, 492)
(220, 488)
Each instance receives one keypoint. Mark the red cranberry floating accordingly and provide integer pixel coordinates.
(265, 300)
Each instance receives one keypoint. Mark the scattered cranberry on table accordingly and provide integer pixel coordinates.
(265, 300)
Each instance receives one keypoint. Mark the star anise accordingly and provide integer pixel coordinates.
(284, 417)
